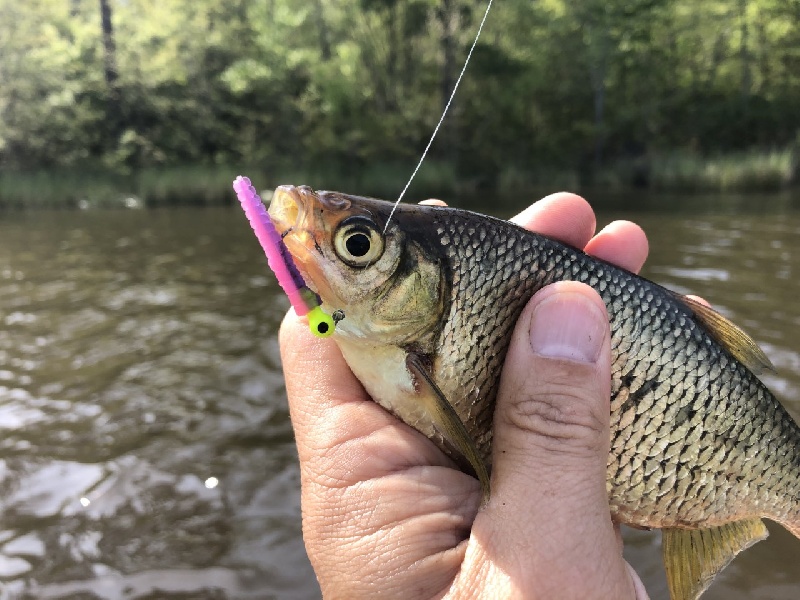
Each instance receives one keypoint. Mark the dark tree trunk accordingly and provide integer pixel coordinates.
(322, 28)
(448, 49)
(744, 54)
(449, 131)
(394, 43)
(114, 120)
(109, 47)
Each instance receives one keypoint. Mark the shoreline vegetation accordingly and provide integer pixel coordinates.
(203, 185)
(141, 104)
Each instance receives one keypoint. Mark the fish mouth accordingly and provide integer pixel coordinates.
(294, 212)
(290, 206)
(293, 205)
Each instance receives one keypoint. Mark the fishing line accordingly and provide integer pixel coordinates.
(441, 119)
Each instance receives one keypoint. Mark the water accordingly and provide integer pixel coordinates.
(747, 265)
(138, 360)
(145, 448)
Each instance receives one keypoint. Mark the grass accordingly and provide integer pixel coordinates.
(203, 185)
(196, 185)
(382, 180)
(55, 189)
(515, 180)
(746, 171)
(754, 170)
(206, 185)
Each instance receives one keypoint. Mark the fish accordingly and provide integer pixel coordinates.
(700, 448)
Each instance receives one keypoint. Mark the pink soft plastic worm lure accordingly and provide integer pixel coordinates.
(304, 301)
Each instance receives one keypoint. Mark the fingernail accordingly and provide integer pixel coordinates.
(568, 325)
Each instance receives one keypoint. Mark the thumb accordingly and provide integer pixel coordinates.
(553, 405)
(549, 504)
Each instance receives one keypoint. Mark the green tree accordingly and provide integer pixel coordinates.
(349, 83)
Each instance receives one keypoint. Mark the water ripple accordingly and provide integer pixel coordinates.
(139, 361)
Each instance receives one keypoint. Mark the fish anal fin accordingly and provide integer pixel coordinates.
(446, 420)
(729, 335)
(693, 557)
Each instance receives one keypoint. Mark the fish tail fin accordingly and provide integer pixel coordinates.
(693, 557)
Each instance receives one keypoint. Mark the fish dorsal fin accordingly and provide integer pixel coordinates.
(446, 420)
(740, 345)
(693, 557)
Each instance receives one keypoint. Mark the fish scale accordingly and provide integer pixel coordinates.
(699, 446)
(655, 342)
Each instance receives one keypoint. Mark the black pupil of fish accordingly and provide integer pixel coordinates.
(357, 244)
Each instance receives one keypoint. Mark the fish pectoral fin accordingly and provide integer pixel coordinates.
(730, 336)
(446, 420)
(693, 557)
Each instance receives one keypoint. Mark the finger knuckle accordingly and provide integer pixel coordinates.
(560, 414)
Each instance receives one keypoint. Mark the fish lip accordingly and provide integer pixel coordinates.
(290, 207)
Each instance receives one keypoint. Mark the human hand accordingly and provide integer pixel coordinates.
(385, 513)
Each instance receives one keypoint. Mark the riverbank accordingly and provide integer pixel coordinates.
(757, 170)
(203, 185)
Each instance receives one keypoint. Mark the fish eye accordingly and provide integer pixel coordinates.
(358, 242)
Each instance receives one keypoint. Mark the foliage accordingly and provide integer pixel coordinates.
(353, 86)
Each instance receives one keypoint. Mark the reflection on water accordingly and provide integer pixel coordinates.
(138, 360)
(145, 448)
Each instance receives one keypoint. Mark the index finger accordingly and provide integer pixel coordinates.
(570, 219)
(564, 216)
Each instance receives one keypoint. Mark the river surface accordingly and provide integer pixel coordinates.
(145, 446)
